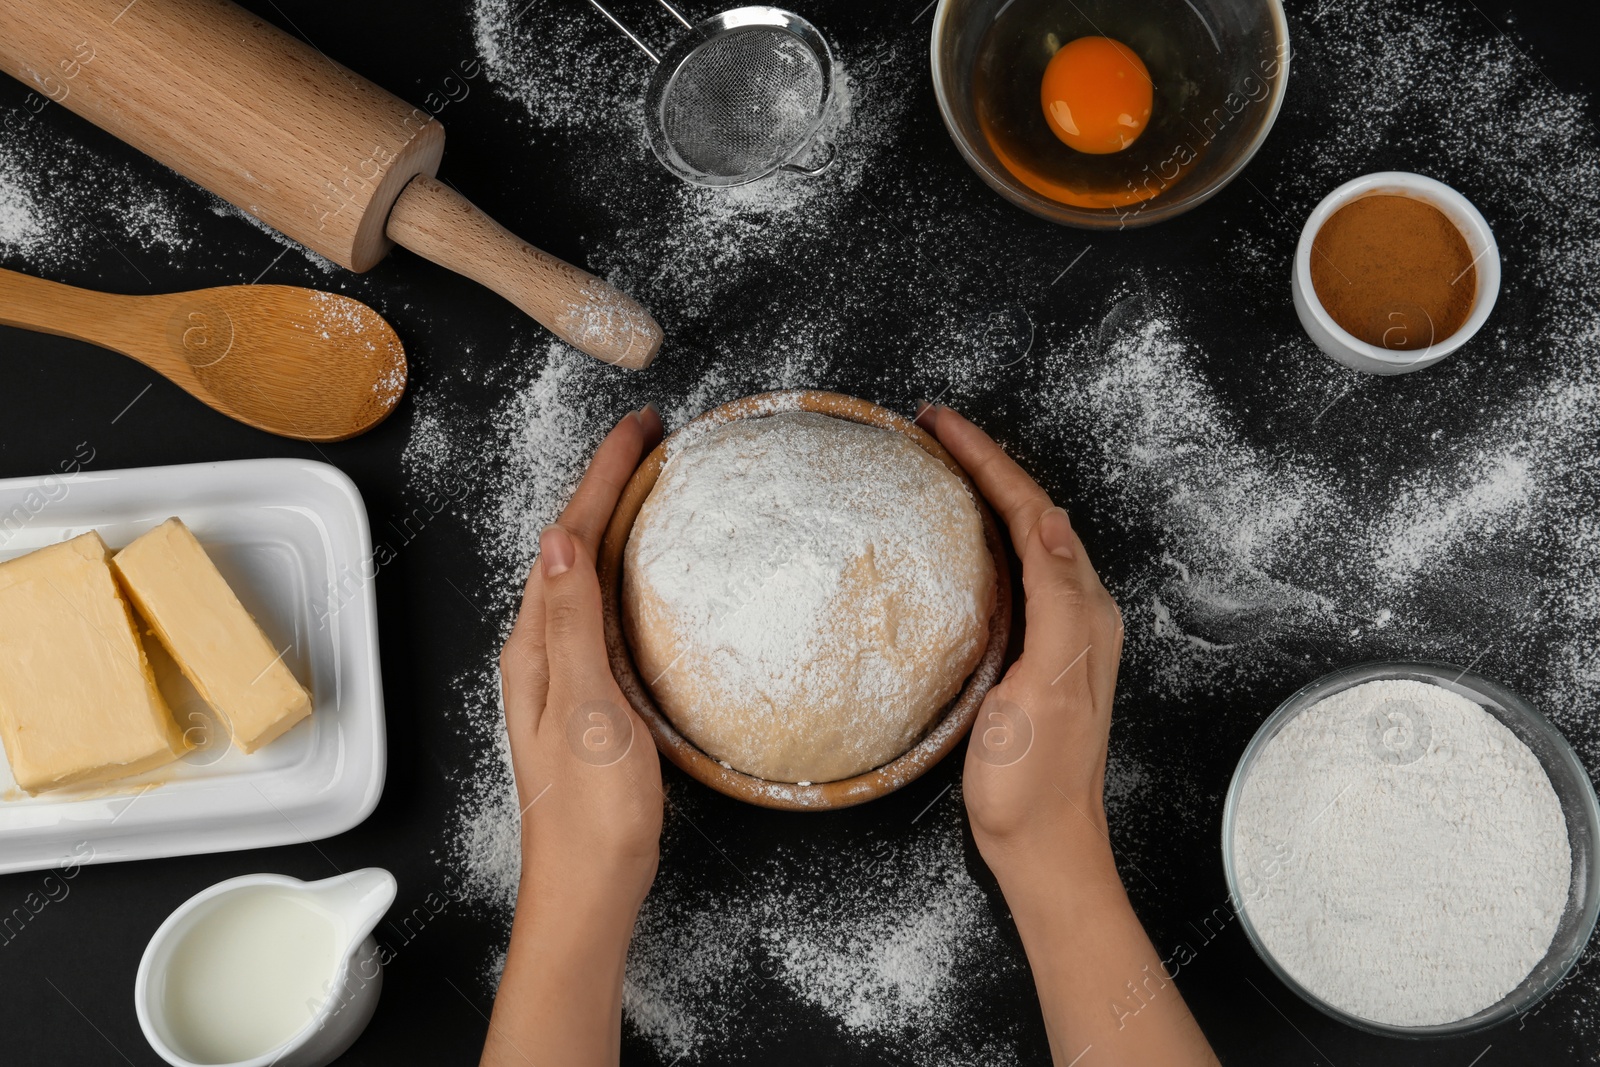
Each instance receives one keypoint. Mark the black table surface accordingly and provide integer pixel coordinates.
(916, 232)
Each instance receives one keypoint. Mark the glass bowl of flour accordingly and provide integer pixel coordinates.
(1412, 849)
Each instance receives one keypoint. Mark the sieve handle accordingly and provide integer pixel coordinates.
(588, 313)
(816, 169)
(677, 15)
(619, 24)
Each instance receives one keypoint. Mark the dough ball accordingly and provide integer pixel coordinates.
(804, 595)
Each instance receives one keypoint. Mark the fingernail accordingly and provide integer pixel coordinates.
(556, 551)
(923, 407)
(1055, 530)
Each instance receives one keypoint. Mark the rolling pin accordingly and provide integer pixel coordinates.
(310, 148)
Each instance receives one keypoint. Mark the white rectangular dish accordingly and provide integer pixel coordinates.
(292, 539)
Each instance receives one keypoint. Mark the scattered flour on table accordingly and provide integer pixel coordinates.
(568, 66)
(485, 847)
(21, 230)
(59, 203)
(1407, 854)
(884, 939)
(1244, 530)
(223, 209)
(691, 972)
(887, 959)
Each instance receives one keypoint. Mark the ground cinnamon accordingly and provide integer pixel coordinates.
(1394, 271)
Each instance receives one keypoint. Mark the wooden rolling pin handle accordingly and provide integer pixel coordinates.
(588, 313)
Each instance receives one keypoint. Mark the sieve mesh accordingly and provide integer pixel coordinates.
(743, 102)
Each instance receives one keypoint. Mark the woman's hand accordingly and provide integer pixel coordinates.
(1034, 785)
(1036, 762)
(588, 778)
(588, 786)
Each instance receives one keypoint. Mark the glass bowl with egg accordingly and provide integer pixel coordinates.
(1411, 848)
(1105, 115)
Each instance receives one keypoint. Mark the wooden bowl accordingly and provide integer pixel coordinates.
(940, 738)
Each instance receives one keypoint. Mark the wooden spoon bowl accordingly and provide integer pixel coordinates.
(295, 362)
(945, 733)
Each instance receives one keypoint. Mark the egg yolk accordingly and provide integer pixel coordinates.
(1096, 95)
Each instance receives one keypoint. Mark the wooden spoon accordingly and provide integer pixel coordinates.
(295, 362)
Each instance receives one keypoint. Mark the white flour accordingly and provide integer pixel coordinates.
(60, 203)
(223, 209)
(20, 228)
(1410, 857)
(888, 937)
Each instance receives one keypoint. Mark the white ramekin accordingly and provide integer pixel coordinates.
(1350, 350)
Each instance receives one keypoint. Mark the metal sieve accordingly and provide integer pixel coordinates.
(742, 95)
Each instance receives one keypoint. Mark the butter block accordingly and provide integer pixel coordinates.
(210, 635)
(78, 703)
